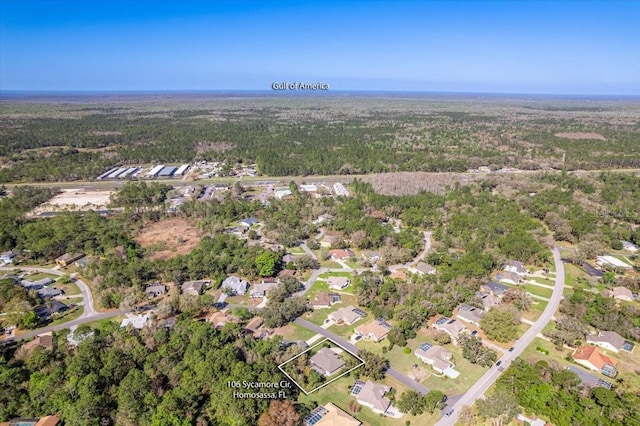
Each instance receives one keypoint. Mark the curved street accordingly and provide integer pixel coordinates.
(488, 379)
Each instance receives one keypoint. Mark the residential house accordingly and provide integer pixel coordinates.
(372, 256)
(489, 301)
(135, 321)
(282, 192)
(36, 285)
(44, 341)
(436, 356)
(40, 421)
(338, 283)
(47, 292)
(620, 293)
(219, 319)
(329, 415)
(326, 362)
(261, 289)
(346, 316)
(629, 246)
(325, 300)
(288, 258)
(470, 314)
(509, 277)
(286, 273)
(594, 359)
(374, 331)
(452, 327)
(589, 379)
(7, 256)
(254, 327)
(372, 395)
(236, 286)
(515, 266)
(248, 222)
(610, 340)
(613, 262)
(494, 288)
(194, 288)
(328, 240)
(156, 290)
(82, 262)
(68, 258)
(45, 312)
(422, 269)
(340, 254)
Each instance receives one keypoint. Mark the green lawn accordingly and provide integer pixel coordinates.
(40, 275)
(70, 316)
(335, 274)
(537, 290)
(296, 250)
(330, 264)
(295, 332)
(70, 289)
(319, 315)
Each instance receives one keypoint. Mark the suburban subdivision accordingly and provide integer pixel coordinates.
(217, 292)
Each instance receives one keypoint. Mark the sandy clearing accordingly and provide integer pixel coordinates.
(580, 135)
(175, 236)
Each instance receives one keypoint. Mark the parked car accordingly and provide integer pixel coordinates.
(511, 348)
(499, 362)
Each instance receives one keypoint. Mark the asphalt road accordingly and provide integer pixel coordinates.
(488, 379)
(407, 381)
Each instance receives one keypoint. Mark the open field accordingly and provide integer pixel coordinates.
(168, 238)
(76, 200)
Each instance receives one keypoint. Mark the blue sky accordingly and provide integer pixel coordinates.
(571, 47)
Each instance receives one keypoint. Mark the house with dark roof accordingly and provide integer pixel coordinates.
(36, 285)
(47, 292)
(494, 288)
(326, 362)
(46, 312)
(248, 222)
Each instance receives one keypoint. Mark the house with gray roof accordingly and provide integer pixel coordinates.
(47, 292)
(194, 288)
(235, 285)
(326, 362)
(494, 288)
(515, 266)
(155, 290)
(611, 341)
(372, 395)
(470, 314)
(452, 327)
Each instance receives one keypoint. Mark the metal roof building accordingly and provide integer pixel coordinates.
(167, 171)
(154, 171)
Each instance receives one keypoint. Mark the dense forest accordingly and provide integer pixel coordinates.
(65, 141)
(156, 377)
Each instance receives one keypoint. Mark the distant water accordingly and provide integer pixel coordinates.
(150, 96)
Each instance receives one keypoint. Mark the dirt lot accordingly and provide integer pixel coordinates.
(76, 200)
(169, 238)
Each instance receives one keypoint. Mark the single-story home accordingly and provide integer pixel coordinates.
(515, 266)
(489, 301)
(39, 421)
(620, 293)
(156, 290)
(47, 292)
(36, 285)
(436, 356)
(44, 341)
(340, 254)
(46, 312)
(237, 286)
(194, 288)
(613, 262)
(494, 288)
(8, 256)
(261, 289)
(219, 319)
(470, 314)
(594, 359)
(372, 395)
(374, 331)
(372, 256)
(68, 258)
(248, 222)
(611, 341)
(136, 321)
(325, 300)
(452, 327)
(286, 273)
(422, 269)
(330, 415)
(326, 362)
(629, 246)
(338, 283)
(254, 327)
(509, 277)
(346, 316)
(328, 240)
(288, 258)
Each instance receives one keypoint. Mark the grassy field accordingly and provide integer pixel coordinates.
(70, 316)
(338, 393)
(69, 289)
(318, 316)
(292, 332)
(40, 275)
(537, 290)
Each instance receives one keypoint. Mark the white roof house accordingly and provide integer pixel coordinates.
(612, 261)
(237, 285)
(136, 322)
(629, 246)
